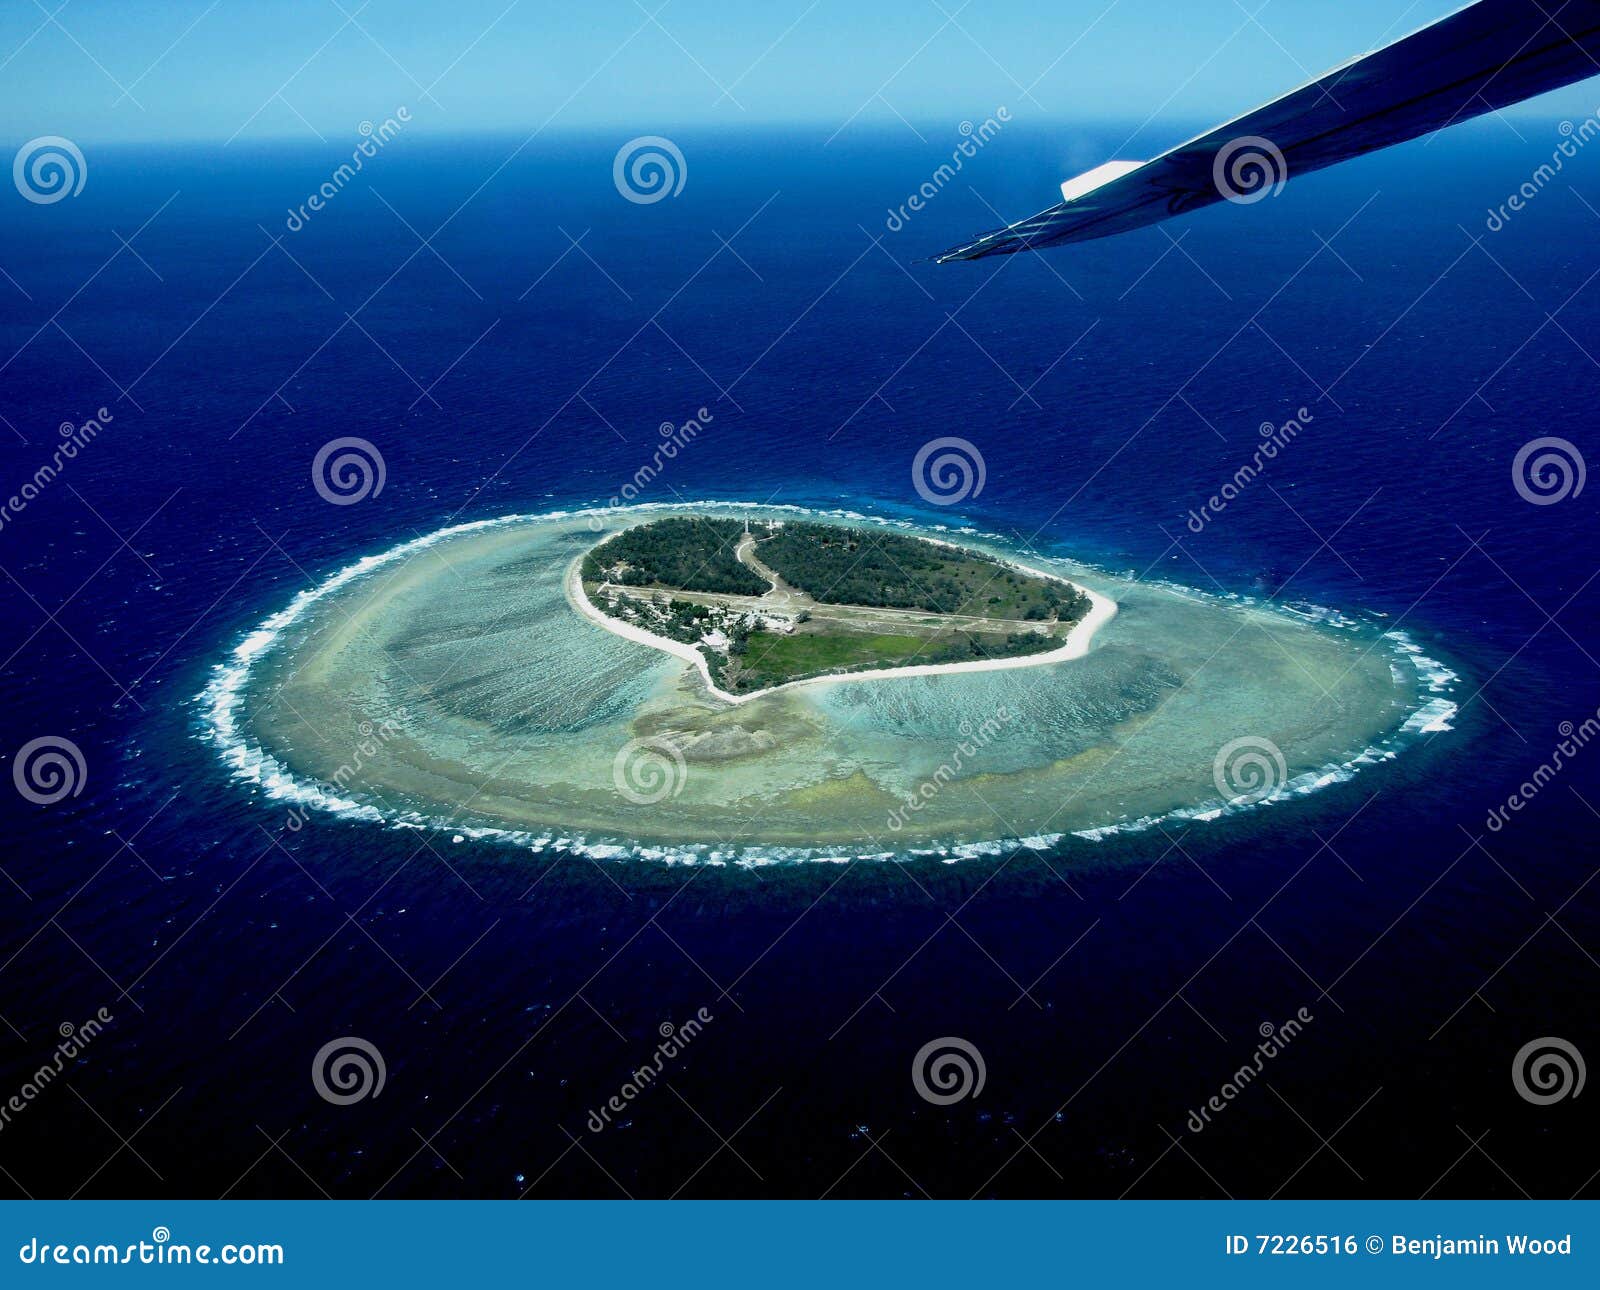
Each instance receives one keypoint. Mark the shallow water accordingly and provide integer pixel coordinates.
(502, 712)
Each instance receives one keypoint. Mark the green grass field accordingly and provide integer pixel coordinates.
(804, 655)
(773, 659)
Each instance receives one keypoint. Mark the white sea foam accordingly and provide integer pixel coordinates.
(221, 700)
(1435, 715)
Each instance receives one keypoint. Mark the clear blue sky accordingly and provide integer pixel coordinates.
(261, 69)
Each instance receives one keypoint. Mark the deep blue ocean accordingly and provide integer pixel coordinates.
(521, 358)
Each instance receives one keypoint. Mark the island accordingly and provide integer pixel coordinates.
(764, 604)
(461, 682)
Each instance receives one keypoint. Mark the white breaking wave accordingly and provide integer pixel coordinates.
(1434, 716)
(249, 763)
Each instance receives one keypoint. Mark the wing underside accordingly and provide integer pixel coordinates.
(1479, 59)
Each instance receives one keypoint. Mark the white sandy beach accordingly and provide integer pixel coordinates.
(1101, 610)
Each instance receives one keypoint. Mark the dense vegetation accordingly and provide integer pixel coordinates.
(866, 567)
(861, 570)
(690, 554)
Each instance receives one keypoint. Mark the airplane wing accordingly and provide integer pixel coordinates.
(1481, 58)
